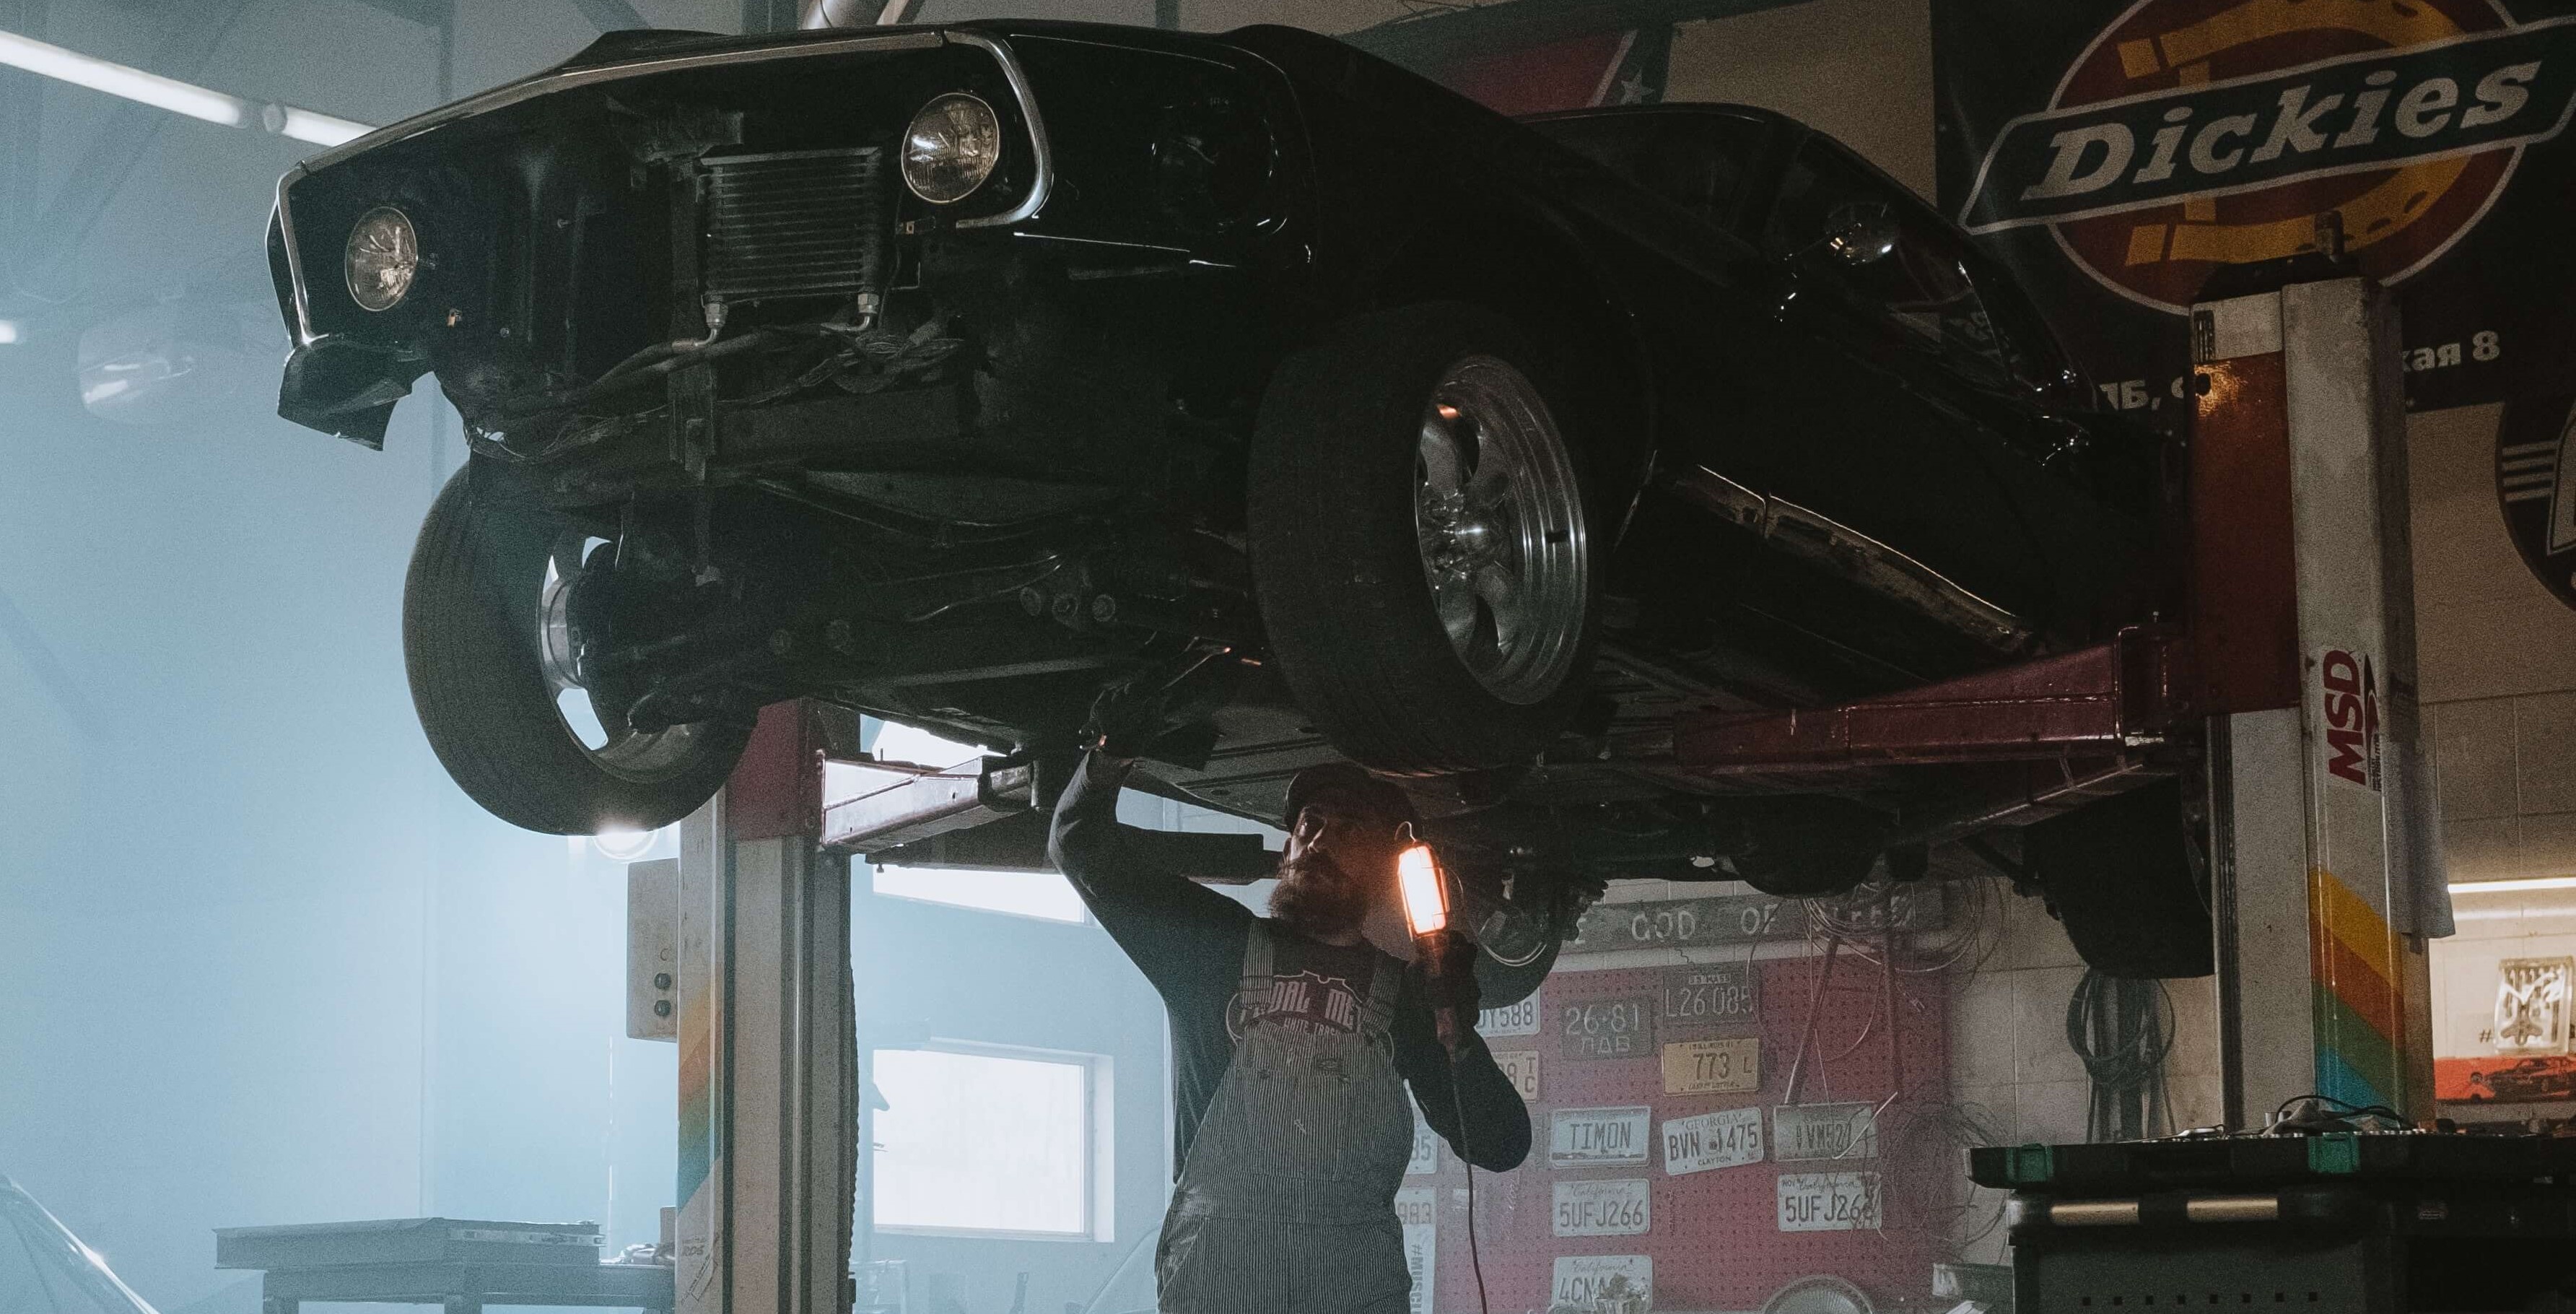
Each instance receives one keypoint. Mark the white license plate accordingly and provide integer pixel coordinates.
(1828, 1202)
(1576, 1137)
(1417, 1208)
(1426, 1148)
(1519, 1019)
(1521, 1065)
(1610, 1207)
(1727, 1138)
(1621, 1283)
(1801, 1132)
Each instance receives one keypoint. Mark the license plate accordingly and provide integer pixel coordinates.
(1576, 1137)
(1705, 1067)
(1828, 1202)
(1521, 1065)
(1417, 1208)
(1706, 996)
(1603, 1284)
(1609, 1028)
(1727, 1138)
(1801, 1132)
(1519, 1019)
(1618, 1206)
(1426, 1149)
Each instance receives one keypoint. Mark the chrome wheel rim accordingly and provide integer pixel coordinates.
(637, 757)
(1498, 517)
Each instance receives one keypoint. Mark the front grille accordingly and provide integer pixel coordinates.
(796, 223)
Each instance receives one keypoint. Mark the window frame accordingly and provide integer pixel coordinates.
(1099, 1150)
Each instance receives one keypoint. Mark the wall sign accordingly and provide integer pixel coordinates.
(2115, 152)
(1621, 1283)
(1614, 1206)
(1578, 1138)
(2536, 487)
(1828, 1202)
(1802, 1132)
(1710, 996)
(1608, 1028)
(1735, 919)
(1521, 1065)
(1728, 1138)
(2531, 1005)
(1417, 1208)
(1713, 1067)
(1519, 1019)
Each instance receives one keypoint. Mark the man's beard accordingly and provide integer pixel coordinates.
(1316, 897)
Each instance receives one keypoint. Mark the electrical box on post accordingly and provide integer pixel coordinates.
(653, 950)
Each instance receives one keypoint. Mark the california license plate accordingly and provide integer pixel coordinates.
(1828, 1202)
(1619, 1206)
(1603, 1284)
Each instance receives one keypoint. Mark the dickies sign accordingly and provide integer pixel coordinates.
(2115, 152)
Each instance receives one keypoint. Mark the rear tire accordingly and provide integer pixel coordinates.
(472, 648)
(1416, 445)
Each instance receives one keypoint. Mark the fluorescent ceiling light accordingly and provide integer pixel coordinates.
(2500, 887)
(173, 95)
(311, 125)
(118, 80)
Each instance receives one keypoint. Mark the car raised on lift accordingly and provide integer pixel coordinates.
(953, 373)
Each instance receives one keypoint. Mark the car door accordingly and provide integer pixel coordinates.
(1880, 302)
(1719, 357)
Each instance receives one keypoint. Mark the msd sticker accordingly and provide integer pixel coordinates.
(2347, 726)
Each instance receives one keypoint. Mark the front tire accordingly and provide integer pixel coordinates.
(1421, 541)
(489, 571)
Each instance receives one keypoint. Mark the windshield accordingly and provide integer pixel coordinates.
(44, 1269)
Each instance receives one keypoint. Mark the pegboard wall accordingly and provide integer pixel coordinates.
(1715, 1236)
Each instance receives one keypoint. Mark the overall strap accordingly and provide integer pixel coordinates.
(1385, 983)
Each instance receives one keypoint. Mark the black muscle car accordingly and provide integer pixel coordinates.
(954, 373)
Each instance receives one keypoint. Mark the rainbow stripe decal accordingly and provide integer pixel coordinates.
(2352, 962)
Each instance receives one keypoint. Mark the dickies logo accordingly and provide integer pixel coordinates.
(2195, 133)
(2348, 728)
(2536, 488)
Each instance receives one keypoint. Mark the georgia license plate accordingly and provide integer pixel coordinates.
(1614, 1207)
(1724, 1139)
(1828, 1202)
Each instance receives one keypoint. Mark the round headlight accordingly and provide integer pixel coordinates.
(384, 256)
(951, 148)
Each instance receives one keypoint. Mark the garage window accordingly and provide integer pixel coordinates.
(983, 1141)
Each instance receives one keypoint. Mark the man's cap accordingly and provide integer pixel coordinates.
(1342, 777)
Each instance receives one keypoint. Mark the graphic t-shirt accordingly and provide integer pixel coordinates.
(1189, 942)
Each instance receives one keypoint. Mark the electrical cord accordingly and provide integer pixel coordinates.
(1475, 1257)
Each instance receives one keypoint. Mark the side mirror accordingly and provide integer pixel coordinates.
(1858, 233)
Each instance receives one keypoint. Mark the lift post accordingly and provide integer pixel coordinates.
(2321, 807)
(769, 1087)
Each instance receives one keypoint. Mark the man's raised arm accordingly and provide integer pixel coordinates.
(1150, 907)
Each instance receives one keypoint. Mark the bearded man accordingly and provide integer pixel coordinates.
(1294, 1039)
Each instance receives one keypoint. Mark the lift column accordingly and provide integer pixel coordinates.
(2319, 803)
(768, 1061)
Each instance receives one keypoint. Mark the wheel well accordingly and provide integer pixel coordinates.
(1538, 277)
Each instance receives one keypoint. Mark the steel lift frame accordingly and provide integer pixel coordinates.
(2286, 698)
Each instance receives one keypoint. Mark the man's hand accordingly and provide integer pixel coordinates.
(1448, 971)
(1125, 719)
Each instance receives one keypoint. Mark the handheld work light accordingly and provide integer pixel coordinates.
(1425, 889)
